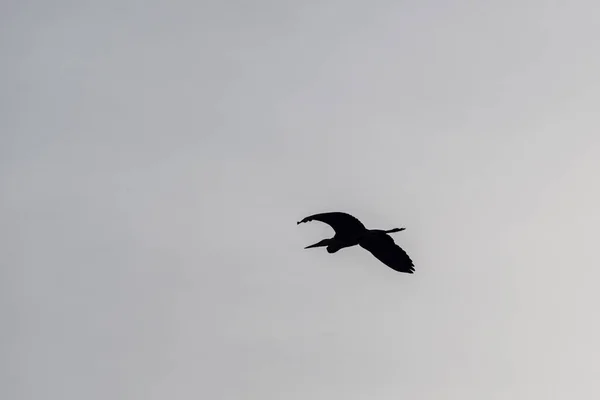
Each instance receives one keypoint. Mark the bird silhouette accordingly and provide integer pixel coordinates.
(349, 231)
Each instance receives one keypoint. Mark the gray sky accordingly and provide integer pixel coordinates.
(155, 157)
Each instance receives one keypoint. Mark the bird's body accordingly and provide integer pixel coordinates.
(349, 232)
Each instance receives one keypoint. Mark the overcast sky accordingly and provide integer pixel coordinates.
(155, 157)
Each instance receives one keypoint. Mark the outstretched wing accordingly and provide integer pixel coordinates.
(388, 252)
(343, 224)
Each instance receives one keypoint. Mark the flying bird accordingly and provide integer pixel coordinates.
(349, 231)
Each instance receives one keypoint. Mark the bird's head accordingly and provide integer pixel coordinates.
(322, 243)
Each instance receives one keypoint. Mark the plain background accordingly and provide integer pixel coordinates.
(155, 157)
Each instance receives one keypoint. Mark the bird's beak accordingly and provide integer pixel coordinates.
(322, 243)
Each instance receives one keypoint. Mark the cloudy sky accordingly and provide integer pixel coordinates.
(155, 157)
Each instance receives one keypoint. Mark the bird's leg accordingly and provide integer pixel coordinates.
(395, 230)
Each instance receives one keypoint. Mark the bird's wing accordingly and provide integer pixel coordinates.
(342, 223)
(388, 252)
